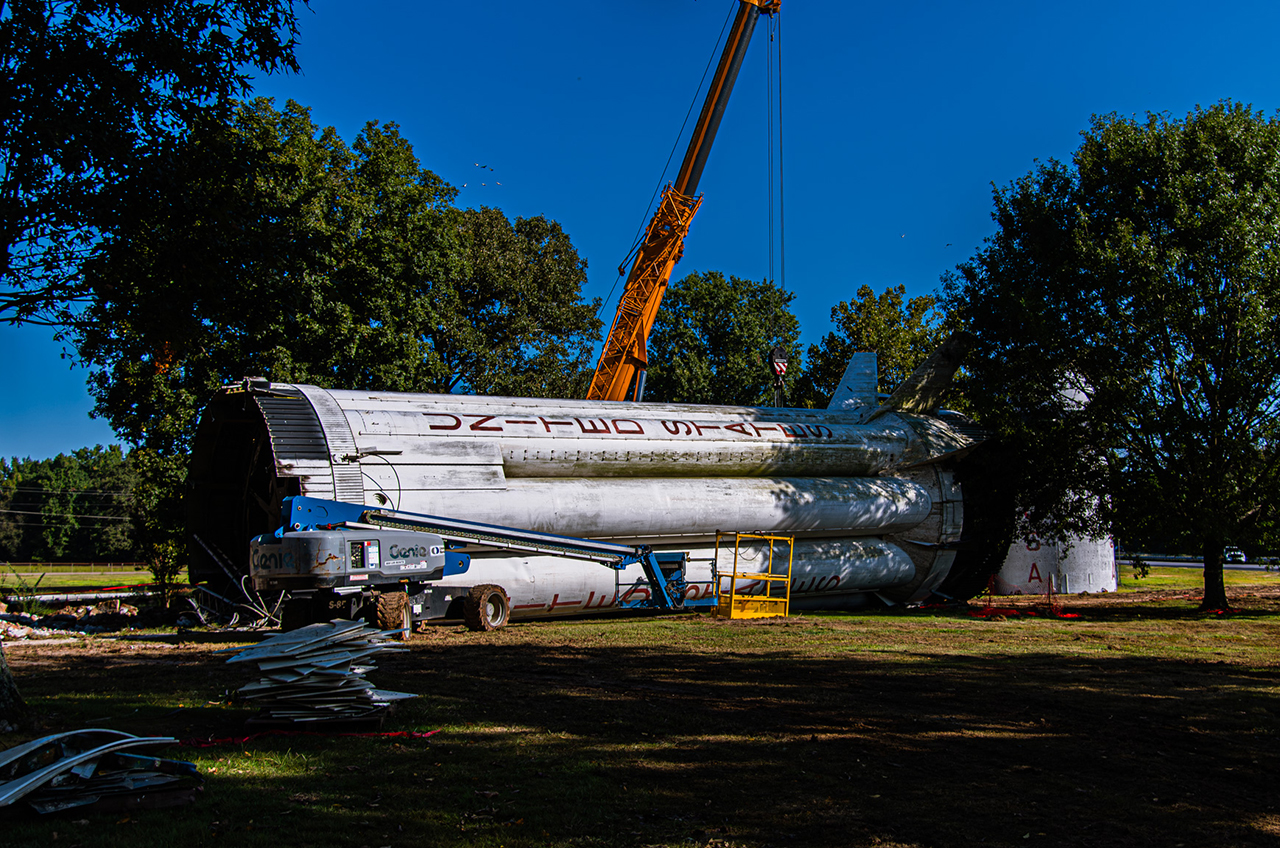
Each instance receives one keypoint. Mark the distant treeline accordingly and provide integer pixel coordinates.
(74, 507)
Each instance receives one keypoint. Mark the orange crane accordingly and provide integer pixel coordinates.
(620, 372)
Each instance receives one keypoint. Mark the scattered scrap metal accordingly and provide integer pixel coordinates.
(316, 673)
(96, 768)
(81, 619)
(112, 616)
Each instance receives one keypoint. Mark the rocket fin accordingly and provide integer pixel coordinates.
(924, 389)
(859, 386)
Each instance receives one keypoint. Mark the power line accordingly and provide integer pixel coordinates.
(67, 515)
(41, 505)
(75, 491)
(26, 524)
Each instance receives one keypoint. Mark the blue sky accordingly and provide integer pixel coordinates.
(897, 118)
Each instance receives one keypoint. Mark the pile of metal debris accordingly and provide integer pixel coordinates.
(95, 768)
(27, 619)
(16, 627)
(105, 617)
(316, 674)
(112, 615)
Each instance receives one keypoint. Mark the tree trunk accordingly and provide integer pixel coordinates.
(1215, 590)
(13, 710)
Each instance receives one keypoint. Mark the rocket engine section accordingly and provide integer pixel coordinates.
(875, 507)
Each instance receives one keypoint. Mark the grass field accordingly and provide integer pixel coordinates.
(1159, 578)
(1165, 578)
(11, 583)
(1141, 722)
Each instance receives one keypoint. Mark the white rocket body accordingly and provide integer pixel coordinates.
(872, 507)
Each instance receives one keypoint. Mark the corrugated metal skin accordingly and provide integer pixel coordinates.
(296, 432)
(348, 484)
(298, 440)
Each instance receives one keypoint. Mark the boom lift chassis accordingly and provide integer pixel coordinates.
(339, 559)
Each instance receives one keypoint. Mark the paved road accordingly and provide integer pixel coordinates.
(1178, 563)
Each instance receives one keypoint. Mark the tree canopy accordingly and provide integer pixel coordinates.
(712, 339)
(269, 247)
(90, 88)
(899, 331)
(1127, 325)
(513, 322)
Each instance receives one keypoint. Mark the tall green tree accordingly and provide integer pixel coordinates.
(514, 322)
(713, 337)
(1127, 324)
(901, 332)
(270, 247)
(90, 87)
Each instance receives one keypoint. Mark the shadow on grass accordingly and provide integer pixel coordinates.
(554, 738)
(199, 637)
(1178, 608)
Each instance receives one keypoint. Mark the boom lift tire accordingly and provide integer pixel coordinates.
(391, 612)
(486, 607)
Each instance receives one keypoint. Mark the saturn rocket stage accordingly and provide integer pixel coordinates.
(869, 493)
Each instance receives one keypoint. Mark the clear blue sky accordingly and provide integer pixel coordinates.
(897, 118)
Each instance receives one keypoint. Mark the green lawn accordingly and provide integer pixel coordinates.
(52, 580)
(1140, 722)
(1165, 578)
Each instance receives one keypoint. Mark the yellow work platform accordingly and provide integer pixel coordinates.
(760, 593)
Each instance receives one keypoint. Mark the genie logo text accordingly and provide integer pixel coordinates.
(274, 558)
(421, 551)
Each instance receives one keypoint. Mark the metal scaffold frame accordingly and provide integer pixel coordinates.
(775, 601)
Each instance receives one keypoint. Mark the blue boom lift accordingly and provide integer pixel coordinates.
(338, 559)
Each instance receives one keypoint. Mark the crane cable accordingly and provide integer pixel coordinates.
(769, 124)
(639, 236)
(773, 70)
(782, 218)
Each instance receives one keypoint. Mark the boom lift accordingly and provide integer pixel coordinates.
(339, 559)
(620, 372)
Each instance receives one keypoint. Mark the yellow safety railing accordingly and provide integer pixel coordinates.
(767, 594)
